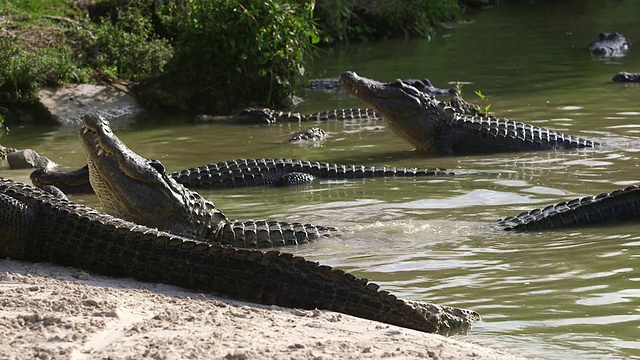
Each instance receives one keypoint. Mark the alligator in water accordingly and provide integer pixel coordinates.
(611, 44)
(626, 77)
(313, 134)
(269, 116)
(37, 226)
(129, 186)
(619, 205)
(436, 127)
(246, 172)
(424, 85)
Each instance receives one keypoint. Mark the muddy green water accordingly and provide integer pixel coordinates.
(561, 294)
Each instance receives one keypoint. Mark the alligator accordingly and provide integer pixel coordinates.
(129, 186)
(313, 134)
(626, 77)
(245, 172)
(37, 226)
(424, 85)
(611, 44)
(619, 205)
(269, 116)
(435, 127)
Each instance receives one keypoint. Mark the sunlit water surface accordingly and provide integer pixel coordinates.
(560, 294)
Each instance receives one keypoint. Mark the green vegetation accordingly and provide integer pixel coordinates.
(127, 49)
(205, 55)
(347, 20)
(486, 106)
(228, 55)
(485, 102)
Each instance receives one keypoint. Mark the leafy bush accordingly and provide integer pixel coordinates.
(230, 54)
(127, 48)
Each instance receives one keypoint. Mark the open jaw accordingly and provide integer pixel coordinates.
(124, 181)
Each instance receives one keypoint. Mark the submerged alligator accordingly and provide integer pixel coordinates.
(626, 77)
(37, 226)
(245, 172)
(269, 116)
(313, 134)
(611, 44)
(619, 205)
(424, 85)
(436, 127)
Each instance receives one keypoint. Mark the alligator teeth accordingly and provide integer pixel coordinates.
(84, 130)
(100, 151)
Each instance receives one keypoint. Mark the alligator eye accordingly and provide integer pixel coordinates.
(157, 165)
(407, 88)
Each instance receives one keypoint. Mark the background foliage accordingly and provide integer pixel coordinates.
(195, 55)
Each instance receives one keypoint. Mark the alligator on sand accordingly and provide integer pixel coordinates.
(37, 226)
(436, 127)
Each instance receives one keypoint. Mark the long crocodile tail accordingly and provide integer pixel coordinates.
(36, 226)
(619, 205)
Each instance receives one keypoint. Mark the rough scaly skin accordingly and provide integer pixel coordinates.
(139, 190)
(424, 85)
(244, 172)
(619, 205)
(269, 116)
(36, 226)
(436, 127)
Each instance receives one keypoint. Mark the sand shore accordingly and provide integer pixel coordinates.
(53, 312)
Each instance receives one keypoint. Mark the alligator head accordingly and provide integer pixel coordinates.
(137, 189)
(413, 115)
(624, 76)
(609, 44)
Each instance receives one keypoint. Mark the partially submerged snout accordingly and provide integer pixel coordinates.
(611, 44)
